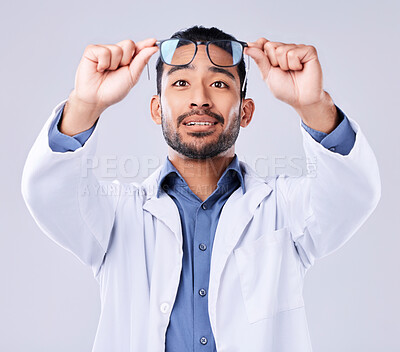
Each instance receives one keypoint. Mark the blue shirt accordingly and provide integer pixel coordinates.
(189, 328)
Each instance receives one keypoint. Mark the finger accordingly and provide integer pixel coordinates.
(259, 43)
(281, 55)
(128, 48)
(147, 43)
(116, 56)
(99, 55)
(293, 59)
(303, 54)
(269, 48)
(261, 60)
(140, 60)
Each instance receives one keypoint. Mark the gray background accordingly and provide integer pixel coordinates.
(49, 301)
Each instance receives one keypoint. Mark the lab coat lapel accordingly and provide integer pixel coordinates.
(236, 214)
(163, 208)
(239, 209)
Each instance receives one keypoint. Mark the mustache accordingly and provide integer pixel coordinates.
(219, 118)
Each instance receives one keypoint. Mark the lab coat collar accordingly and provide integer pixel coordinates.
(165, 209)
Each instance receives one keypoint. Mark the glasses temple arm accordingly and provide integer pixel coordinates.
(148, 72)
(247, 70)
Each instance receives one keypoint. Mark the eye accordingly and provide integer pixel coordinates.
(222, 83)
(179, 85)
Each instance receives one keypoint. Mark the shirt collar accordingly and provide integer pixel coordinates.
(168, 168)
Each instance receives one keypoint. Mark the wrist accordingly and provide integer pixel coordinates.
(321, 116)
(78, 116)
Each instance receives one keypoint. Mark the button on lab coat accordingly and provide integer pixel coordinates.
(265, 242)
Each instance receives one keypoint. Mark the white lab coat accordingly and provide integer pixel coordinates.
(265, 241)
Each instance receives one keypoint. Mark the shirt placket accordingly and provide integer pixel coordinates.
(203, 337)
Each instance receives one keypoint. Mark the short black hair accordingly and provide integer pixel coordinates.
(197, 33)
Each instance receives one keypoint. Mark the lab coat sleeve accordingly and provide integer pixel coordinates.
(67, 201)
(329, 204)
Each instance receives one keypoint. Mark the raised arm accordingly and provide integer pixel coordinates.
(326, 207)
(62, 193)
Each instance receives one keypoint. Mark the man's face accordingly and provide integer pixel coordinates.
(200, 106)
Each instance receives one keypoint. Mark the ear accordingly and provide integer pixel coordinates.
(247, 111)
(155, 109)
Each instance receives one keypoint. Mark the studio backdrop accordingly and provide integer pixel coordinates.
(49, 301)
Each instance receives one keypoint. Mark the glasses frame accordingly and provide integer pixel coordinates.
(202, 42)
(207, 43)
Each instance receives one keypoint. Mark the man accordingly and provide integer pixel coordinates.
(204, 255)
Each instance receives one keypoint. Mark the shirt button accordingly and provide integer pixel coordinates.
(204, 206)
(203, 340)
(164, 307)
(202, 246)
(332, 149)
(202, 292)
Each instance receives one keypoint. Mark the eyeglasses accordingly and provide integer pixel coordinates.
(181, 52)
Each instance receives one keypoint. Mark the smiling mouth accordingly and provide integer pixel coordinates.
(201, 126)
(200, 123)
(201, 119)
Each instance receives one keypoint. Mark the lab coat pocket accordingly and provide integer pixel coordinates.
(269, 275)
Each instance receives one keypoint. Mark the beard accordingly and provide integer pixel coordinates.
(198, 150)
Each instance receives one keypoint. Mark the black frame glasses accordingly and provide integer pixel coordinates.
(159, 43)
(201, 42)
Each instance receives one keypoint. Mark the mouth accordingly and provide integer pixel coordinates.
(200, 122)
(200, 126)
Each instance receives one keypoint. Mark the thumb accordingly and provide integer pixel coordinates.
(261, 60)
(139, 62)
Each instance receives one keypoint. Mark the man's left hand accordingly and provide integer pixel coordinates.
(292, 71)
(293, 74)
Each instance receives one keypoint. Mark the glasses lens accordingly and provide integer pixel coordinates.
(177, 51)
(225, 52)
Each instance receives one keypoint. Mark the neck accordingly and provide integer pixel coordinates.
(201, 175)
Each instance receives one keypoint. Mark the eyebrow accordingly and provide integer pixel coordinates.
(211, 69)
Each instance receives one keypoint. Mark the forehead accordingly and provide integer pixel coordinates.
(195, 67)
(180, 52)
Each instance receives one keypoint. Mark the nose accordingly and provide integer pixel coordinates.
(200, 98)
(205, 105)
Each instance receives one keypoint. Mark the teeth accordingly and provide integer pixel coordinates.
(199, 123)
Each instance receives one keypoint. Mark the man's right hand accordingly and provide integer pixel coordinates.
(105, 75)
